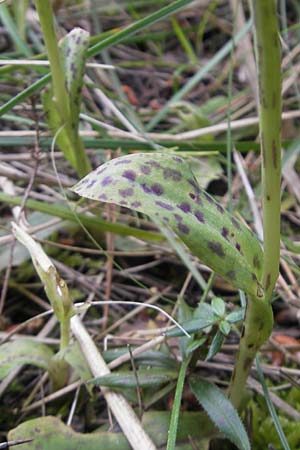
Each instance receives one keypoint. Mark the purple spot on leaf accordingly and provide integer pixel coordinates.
(128, 192)
(146, 170)
(106, 181)
(136, 204)
(238, 247)
(146, 188)
(185, 207)
(122, 161)
(178, 218)
(157, 189)
(175, 175)
(164, 205)
(177, 159)
(199, 216)
(91, 184)
(216, 248)
(129, 174)
(225, 232)
(102, 197)
(100, 170)
(153, 164)
(183, 228)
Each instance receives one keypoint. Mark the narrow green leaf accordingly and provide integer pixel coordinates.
(203, 317)
(271, 407)
(218, 305)
(164, 186)
(172, 435)
(225, 327)
(221, 412)
(236, 316)
(74, 357)
(196, 343)
(185, 314)
(153, 358)
(145, 378)
(19, 352)
(215, 345)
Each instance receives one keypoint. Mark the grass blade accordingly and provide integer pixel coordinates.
(271, 408)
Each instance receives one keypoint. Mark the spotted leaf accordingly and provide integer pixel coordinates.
(164, 186)
(73, 49)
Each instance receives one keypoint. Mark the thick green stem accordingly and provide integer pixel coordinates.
(45, 13)
(256, 330)
(259, 317)
(64, 333)
(269, 77)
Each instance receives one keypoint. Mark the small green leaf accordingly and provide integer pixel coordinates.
(218, 305)
(145, 378)
(19, 352)
(185, 313)
(196, 343)
(221, 412)
(164, 186)
(215, 345)
(225, 327)
(75, 358)
(236, 316)
(203, 317)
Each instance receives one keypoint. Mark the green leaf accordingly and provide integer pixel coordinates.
(236, 316)
(75, 358)
(215, 345)
(153, 358)
(50, 433)
(73, 51)
(145, 378)
(164, 186)
(225, 327)
(185, 314)
(19, 352)
(196, 343)
(218, 305)
(203, 317)
(221, 412)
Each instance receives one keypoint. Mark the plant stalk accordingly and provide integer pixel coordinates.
(257, 328)
(45, 13)
(65, 333)
(268, 56)
(259, 316)
(76, 155)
